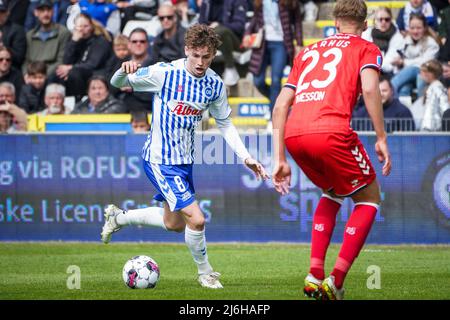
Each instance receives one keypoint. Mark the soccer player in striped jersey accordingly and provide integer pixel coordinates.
(326, 79)
(183, 89)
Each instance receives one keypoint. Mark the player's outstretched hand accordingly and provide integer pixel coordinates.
(383, 154)
(257, 168)
(130, 67)
(281, 177)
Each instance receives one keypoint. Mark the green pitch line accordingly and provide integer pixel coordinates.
(261, 271)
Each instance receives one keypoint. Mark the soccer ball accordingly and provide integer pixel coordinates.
(141, 272)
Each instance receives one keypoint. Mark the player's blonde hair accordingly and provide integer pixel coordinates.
(351, 10)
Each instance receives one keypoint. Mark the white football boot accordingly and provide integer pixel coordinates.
(312, 287)
(210, 280)
(110, 226)
(329, 290)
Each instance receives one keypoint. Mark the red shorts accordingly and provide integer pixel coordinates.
(333, 162)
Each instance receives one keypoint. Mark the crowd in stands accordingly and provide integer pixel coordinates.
(54, 49)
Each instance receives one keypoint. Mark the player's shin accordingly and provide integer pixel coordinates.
(150, 217)
(322, 229)
(196, 242)
(355, 235)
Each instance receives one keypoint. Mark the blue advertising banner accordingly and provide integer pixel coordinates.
(55, 187)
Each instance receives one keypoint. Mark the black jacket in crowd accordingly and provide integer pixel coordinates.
(109, 105)
(31, 100)
(16, 78)
(14, 38)
(167, 50)
(89, 54)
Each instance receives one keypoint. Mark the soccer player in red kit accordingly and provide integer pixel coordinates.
(323, 86)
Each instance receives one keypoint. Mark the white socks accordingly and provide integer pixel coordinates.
(196, 242)
(149, 217)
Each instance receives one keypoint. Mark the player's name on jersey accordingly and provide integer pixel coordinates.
(330, 42)
(310, 96)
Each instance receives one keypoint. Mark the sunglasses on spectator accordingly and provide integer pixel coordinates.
(138, 41)
(5, 59)
(161, 18)
(384, 19)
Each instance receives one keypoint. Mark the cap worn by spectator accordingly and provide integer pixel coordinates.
(44, 3)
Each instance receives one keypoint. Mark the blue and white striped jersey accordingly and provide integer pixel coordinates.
(179, 102)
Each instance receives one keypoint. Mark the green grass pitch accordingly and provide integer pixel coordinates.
(249, 271)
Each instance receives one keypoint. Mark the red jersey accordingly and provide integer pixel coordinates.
(326, 78)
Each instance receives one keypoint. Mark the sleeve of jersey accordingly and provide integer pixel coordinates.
(371, 58)
(231, 136)
(293, 76)
(219, 108)
(147, 79)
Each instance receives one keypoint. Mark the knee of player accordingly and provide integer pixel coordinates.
(176, 227)
(198, 223)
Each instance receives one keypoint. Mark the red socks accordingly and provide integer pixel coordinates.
(324, 221)
(356, 231)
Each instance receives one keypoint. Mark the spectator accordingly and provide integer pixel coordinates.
(406, 55)
(99, 99)
(8, 72)
(416, 7)
(397, 117)
(59, 15)
(136, 9)
(99, 10)
(85, 54)
(311, 10)
(435, 101)
(444, 53)
(121, 54)
(31, 97)
(187, 12)
(139, 122)
(48, 40)
(282, 23)
(169, 44)
(12, 118)
(383, 31)
(12, 36)
(139, 47)
(54, 100)
(446, 120)
(17, 10)
(103, 11)
(228, 18)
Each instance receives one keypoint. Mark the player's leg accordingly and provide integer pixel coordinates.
(116, 219)
(351, 174)
(307, 151)
(196, 242)
(358, 226)
(324, 221)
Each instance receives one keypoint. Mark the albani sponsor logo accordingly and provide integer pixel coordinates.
(182, 109)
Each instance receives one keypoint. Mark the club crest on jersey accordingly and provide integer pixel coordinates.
(182, 109)
(208, 92)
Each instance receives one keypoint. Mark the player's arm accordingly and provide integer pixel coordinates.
(120, 77)
(231, 136)
(281, 174)
(372, 99)
(142, 79)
